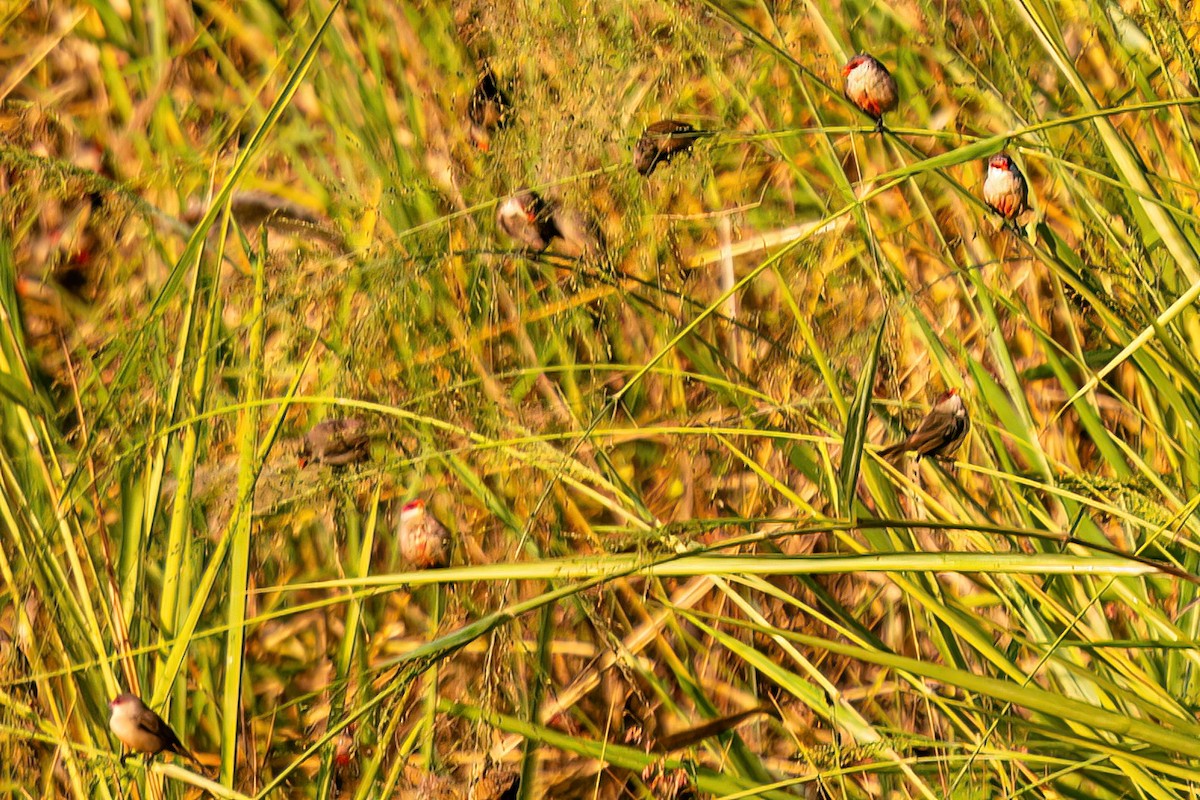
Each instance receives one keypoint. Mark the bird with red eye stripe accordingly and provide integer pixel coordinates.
(529, 219)
(871, 87)
(1004, 188)
(424, 542)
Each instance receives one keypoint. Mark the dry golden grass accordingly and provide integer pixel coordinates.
(603, 437)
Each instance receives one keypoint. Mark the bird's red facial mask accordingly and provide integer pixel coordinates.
(412, 505)
(853, 64)
(1000, 162)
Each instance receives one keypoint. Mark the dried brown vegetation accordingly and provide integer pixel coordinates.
(647, 457)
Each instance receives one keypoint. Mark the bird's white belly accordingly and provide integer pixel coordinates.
(133, 736)
(1000, 182)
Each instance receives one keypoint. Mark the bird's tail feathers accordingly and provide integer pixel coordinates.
(179, 749)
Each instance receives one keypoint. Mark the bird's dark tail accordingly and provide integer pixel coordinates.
(178, 748)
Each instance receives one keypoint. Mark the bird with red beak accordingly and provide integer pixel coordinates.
(662, 141)
(336, 442)
(1005, 189)
(487, 110)
(940, 433)
(871, 87)
(141, 730)
(529, 219)
(424, 542)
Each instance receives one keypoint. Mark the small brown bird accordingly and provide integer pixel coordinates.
(142, 730)
(1005, 189)
(424, 542)
(871, 87)
(336, 442)
(662, 141)
(940, 433)
(487, 110)
(252, 209)
(529, 219)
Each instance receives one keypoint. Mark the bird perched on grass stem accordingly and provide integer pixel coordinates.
(487, 110)
(336, 442)
(424, 542)
(1005, 189)
(662, 141)
(940, 433)
(536, 222)
(528, 218)
(579, 234)
(142, 730)
(871, 87)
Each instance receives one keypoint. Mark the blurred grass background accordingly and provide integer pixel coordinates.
(658, 466)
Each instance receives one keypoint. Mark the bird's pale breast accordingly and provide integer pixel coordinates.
(133, 735)
(1000, 184)
(872, 89)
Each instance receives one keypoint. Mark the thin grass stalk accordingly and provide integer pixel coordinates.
(828, 702)
(181, 510)
(43, 476)
(56, 721)
(239, 551)
(429, 754)
(350, 640)
(1179, 738)
(399, 685)
(534, 696)
(1158, 224)
(204, 587)
(631, 758)
(400, 754)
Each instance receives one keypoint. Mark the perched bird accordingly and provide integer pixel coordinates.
(487, 110)
(336, 442)
(424, 542)
(345, 759)
(662, 141)
(529, 219)
(142, 730)
(940, 433)
(253, 209)
(1005, 189)
(871, 87)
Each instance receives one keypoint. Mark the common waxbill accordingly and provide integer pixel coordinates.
(1005, 189)
(487, 110)
(336, 442)
(424, 542)
(662, 141)
(141, 730)
(529, 219)
(940, 433)
(871, 87)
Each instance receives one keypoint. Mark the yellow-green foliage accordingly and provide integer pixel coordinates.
(223, 222)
